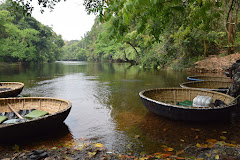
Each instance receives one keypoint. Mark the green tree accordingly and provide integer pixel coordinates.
(26, 39)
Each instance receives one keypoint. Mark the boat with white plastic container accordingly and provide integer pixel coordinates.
(188, 104)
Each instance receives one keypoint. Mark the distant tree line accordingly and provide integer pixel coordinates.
(153, 33)
(24, 39)
(159, 33)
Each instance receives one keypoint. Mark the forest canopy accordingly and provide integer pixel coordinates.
(160, 33)
(24, 39)
(153, 33)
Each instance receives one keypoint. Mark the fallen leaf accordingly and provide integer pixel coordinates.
(198, 145)
(208, 155)
(211, 140)
(217, 156)
(119, 156)
(143, 153)
(158, 156)
(81, 145)
(179, 152)
(221, 143)
(166, 155)
(169, 149)
(54, 148)
(202, 145)
(182, 140)
(129, 146)
(224, 131)
(230, 145)
(79, 148)
(157, 153)
(223, 137)
(179, 158)
(91, 154)
(196, 137)
(165, 129)
(216, 151)
(211, 145)
(98, 145)
(164, 146)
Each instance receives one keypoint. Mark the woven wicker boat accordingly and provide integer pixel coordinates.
(219, 86)
(10, 89)
(58, 110)
(208, 78)
(163, 102)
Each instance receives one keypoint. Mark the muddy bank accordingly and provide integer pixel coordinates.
(215, 64)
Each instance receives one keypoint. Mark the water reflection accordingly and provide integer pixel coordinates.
(55, 134)
(106, 107)
(180, 134)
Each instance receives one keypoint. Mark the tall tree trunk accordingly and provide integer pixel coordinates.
(231, 23)
(230, 32)
(235, 21)
(205, 47)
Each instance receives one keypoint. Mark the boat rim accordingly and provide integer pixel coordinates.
(141, 94)
(12, 82)
(183, 85)
(35, 119)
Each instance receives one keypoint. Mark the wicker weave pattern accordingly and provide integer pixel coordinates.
(16, 88)
(58, 110)
(210, 85)
(210, 78)
(12, 85)
(173, 95)
(49, 105)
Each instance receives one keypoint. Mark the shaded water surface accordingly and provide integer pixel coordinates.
(106, 107)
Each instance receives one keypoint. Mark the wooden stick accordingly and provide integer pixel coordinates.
(234, 99)
(19, 116)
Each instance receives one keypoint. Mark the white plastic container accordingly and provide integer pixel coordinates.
(202, 101)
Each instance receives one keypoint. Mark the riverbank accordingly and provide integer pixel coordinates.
(215, 64)
(86, 150)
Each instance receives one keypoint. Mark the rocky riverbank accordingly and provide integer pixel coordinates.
(212, 149)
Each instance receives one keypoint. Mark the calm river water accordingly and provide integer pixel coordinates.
(106, 107)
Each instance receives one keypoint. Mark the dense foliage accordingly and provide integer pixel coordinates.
(160, 33)
(153, 33)
(24, 39)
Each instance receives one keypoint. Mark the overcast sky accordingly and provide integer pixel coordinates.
(69, 19)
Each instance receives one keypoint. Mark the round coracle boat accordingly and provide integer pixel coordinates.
(22, 116)
(177, 104)
(219, 86)
(208, 78)
(10, 89)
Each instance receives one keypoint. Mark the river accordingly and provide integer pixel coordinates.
(106, 107)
